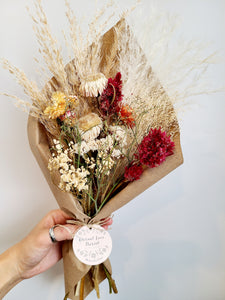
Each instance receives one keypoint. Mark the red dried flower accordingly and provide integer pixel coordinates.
(126, 115)
(111, 96)
(133, 172)
(154, 148)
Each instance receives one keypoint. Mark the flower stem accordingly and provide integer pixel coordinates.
(82, 289)
(114, 93)
(112, 284)
(106, 198)
(95, 280)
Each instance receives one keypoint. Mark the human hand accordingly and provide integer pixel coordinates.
(36, 252)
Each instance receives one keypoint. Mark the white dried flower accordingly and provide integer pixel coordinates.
(60, 161)
(93, 85)
(92, 166)
(70, 178)
(58, 147)
(89, 161)
(105, 143)
(116, 153)
(105, 163)
(119, 135)
(114, 142)
(84, 147)
(92, 133)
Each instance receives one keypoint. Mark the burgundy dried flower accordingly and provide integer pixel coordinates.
(133, 172)
(111, 96)
(154, 148)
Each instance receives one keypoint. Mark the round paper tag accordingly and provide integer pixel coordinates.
(92, 246)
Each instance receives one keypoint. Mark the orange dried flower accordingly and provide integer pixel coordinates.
(126, 115)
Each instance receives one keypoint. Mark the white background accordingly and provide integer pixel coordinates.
(168, 243)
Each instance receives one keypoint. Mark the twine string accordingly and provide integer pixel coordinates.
(89, 224)
(81, 223)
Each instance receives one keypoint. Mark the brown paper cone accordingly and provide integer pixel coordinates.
(74, 270)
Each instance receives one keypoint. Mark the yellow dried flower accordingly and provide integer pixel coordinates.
(58, 106)
(59, 103)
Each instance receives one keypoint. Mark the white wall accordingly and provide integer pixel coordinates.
(169, 242)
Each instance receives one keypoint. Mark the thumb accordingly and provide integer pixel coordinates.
(64, 232)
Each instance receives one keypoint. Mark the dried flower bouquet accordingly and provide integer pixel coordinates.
(103, 130)
(107, 138)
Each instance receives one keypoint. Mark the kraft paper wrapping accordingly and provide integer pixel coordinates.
(74, 270)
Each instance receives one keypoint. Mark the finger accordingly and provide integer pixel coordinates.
(59, 216)
(64, 232)
(109, 222)
(54, 217)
